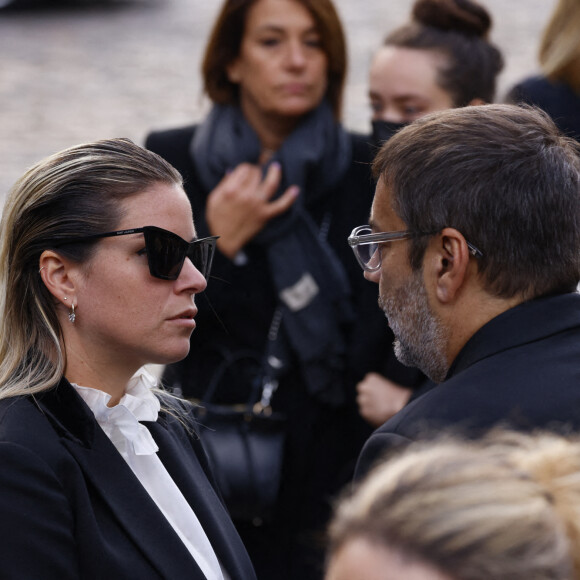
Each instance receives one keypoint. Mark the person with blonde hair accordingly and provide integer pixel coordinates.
(506, 507)
(557, 89)
(103, 474)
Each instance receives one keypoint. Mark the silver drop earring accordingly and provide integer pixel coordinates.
(71, 315)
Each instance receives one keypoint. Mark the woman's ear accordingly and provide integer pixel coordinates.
(55, 272)
(233, 72)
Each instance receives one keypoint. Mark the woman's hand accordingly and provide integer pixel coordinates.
(239, 207)
(379, 398)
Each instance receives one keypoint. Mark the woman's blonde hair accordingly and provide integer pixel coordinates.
(506, 508)
(74, 193)
(559, 53)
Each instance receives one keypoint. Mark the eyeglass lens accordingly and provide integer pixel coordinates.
(166, 253)
(368, 254)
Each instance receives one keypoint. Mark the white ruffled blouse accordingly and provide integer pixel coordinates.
(138, 448)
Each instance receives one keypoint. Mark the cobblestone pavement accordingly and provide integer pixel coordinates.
(90, 70)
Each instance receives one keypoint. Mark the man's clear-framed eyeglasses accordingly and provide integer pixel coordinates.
(366, 245)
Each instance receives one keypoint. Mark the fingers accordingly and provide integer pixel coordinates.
(267, 187)
(379, 398)
(271, 182)
(284, 202)
(241, 204)
(244, 178)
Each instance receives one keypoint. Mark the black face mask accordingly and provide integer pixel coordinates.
(384, 130)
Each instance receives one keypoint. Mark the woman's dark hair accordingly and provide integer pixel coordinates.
(226, 39)
(458, 29)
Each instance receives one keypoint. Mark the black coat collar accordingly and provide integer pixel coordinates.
(534, 319)
(127, 499)
(68, 413)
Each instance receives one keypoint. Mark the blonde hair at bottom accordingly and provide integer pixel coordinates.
(559, 52)
(506, 507)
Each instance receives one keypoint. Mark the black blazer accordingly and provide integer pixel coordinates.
(521, 370)
(70, 506)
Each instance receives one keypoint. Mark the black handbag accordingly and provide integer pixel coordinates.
(244, 442)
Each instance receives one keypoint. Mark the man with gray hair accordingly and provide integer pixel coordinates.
(474, 240)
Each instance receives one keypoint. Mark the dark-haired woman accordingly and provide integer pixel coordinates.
(103, 475)
(441, 59)
(272, 172)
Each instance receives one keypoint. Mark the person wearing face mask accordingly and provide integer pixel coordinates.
(272, 171)
(441, 59)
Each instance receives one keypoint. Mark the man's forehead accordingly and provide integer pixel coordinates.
(382, 212)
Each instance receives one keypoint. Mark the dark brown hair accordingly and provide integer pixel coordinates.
(226, 39)
(506, 178)
(458, 29)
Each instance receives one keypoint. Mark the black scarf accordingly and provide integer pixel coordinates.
(311, 282)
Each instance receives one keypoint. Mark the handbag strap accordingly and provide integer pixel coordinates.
(229, 359)
(272, 366)
(265, 383)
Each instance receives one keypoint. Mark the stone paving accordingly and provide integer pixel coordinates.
(94, 69)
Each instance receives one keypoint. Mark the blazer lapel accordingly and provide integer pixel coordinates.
(115, 482)
(177, 454)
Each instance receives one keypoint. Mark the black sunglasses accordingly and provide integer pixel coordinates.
(166, 251)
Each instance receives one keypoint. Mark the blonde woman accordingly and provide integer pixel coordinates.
(102, 476)
(506, 508)
(557, 89)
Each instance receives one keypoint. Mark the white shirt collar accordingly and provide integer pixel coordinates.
(122, 421)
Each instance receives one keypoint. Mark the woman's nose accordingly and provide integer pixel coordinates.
(296, 56)
(190, 278)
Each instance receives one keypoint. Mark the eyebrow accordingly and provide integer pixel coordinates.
(399, 98)
(282, 30)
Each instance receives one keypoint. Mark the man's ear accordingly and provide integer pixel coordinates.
(55, 272)
(450, 261)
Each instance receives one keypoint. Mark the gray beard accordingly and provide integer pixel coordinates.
(419, 339)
